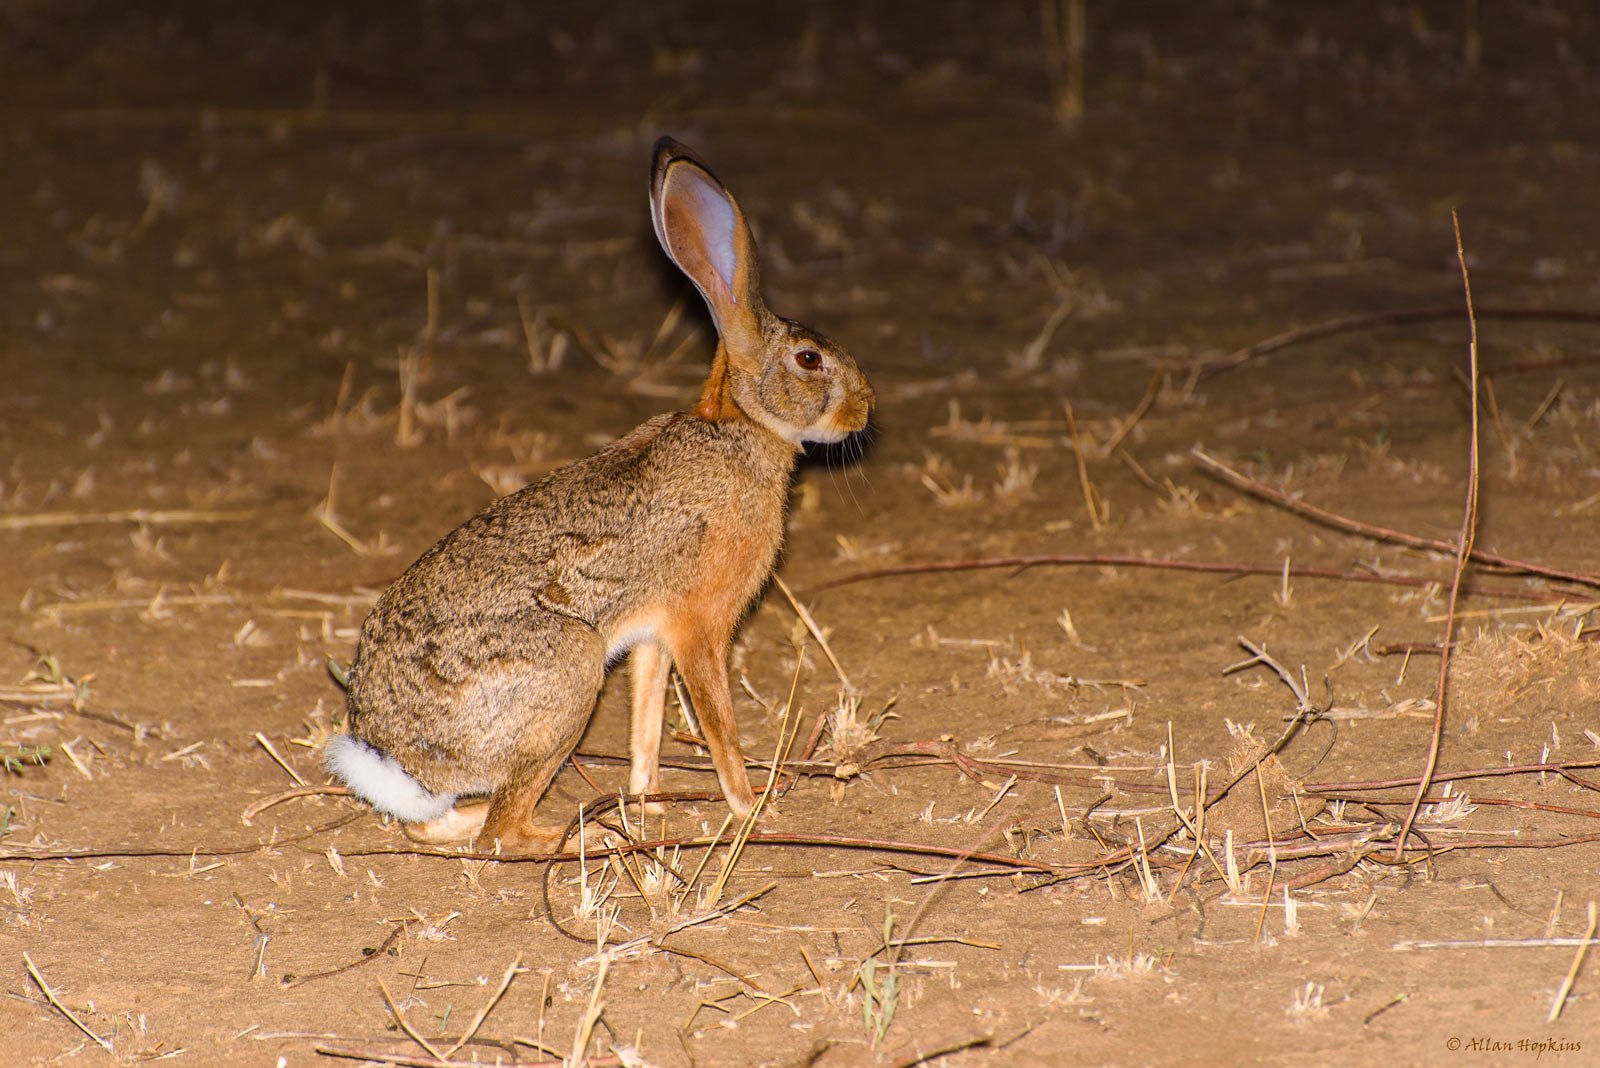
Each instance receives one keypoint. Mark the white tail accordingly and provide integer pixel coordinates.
(380, 781)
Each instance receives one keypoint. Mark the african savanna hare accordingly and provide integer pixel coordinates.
(479, 668)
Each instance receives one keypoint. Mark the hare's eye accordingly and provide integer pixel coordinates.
(808, 359)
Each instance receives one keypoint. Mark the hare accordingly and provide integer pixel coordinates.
(479, 668)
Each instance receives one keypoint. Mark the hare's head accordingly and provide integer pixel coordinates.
(775, 372)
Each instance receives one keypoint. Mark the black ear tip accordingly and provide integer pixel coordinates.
(668, 149)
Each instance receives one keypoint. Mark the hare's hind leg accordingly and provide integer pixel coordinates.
(509, 816)
(703, 663)
(559, 695)
(648, 666)
(457, 825)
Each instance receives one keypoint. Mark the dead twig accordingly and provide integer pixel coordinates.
(1463, 547)
(409, 1060)
(1554, 767)
(265, 803)
(1091, 496)
(816, 631)
(1496, 943)
(1211, 567)
(1254, 488)
(488, 1006)
(50, 996)
(1350, 324)
(23, 852)
(383, 947)
(1560, 1000)
(405, 1025)
(273, 753)
(145, 517)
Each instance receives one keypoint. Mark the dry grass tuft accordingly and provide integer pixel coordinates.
(849, 733)
(1240, 811)
(1540, 670)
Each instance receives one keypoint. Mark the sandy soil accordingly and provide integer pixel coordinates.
(230, 239)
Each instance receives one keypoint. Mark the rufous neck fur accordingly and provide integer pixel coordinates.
(716, 401)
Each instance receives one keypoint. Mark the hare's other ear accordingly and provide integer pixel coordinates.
(700, 226)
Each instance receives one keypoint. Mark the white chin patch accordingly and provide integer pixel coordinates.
(822, 435)
(380, 781)
(794, 435)
(799, 435)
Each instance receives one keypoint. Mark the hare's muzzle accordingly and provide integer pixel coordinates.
(846, 419)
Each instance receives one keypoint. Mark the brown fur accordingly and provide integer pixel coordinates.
(479, 668)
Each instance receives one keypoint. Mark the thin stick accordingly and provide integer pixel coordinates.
(1572, 973)
(405, 1025)
(366, 1053)
(1140, 410)
(330, 521)
(488, 1006)
(1352, 323)
(1469, 529)
(273, 753)
(705, 858)
(1557, 768)
(1272, 855)
(383, 948)
(1195, 827)
(143, 516)
(409, 367)
(786, 735)
(1544, 406)
(345, 384)
(958, 858)
(1338, 522)
(717, 913)
(50, 996)
(1500, 943)
(544, 1000)
(25, 853)
(1091, 498)
(816, 631)
(1532, 806)
(430, 328)
(726, 969)
(976, 1041)
(1065, 27)
(591, 1015)
(1210, 567)
(288, 795)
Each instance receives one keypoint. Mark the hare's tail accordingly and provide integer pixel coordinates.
(380, 781)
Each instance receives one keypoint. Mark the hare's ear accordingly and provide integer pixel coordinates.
(700, 226)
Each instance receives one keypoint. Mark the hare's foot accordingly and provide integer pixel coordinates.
(768, 810)
(509, 827)
(457, 825)
(509, 820)
(531, 838)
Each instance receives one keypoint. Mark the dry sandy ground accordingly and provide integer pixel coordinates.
(286, 295)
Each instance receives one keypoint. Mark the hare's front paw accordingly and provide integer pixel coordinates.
(742, 802)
